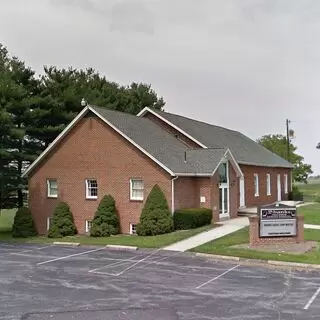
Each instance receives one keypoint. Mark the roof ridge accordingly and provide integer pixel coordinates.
(199, 121)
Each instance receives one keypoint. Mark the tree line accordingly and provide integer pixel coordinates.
(35, 109)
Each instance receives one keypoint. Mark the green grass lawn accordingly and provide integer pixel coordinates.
(311, 213)
(223, 245)
(159, 241)
(311, 190)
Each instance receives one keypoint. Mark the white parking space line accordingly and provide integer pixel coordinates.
(115, 264)
(69, 256)
(217, 277)
(306, 307)
(30, 250)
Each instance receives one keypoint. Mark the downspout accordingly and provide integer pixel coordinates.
(172, 193)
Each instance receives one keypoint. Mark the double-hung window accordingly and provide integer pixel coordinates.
(256, 185)
(286, 183)
(91, 189)
(88, 225)
(136, 189)
(52, 188)
(268, 184)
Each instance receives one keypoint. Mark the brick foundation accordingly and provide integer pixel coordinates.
(255, 239)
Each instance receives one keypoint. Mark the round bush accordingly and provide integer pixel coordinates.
(23, 224)
(192, 218)
(155, 217)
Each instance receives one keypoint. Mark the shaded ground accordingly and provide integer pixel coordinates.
(57, 283)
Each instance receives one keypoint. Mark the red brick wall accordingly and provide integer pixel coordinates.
(190, 143)
(233, 192)
(186, 194)
(249, 171)
(94, 150)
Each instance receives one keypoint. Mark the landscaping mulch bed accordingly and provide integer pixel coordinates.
(293, 248)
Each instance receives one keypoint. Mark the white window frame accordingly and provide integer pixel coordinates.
(268, 184)
(256, 184)
(49, 188)
(133, 228)
(88, 196)
(49, 219)
(286, 183)
(131, 189)
(88, 225)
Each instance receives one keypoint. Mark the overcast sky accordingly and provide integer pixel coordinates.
(243, 64)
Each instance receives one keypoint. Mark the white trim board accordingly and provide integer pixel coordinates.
(74, 122)
(146, 109)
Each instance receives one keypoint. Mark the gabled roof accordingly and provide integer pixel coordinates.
(244, 149)
(151, 139)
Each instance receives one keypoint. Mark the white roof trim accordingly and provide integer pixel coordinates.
(131, 141)
(146, 109)
(229, 156)
(55, 141)
(69, 127)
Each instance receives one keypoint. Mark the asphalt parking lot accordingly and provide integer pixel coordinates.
(58, 283)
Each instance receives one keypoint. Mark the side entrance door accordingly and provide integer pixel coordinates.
(224, 190)
(278, 187)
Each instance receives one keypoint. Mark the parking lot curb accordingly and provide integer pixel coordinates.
(216, 256)
(73, 244)
(273, 263)
(121, 247)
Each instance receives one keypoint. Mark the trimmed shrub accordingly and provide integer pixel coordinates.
(23, 224)
(62, 222)
(192, 218)
(295, 194)
(106, 220)
(155, 216)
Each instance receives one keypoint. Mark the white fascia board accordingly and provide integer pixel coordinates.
(56, 140)
(131, 141)
(146, 109)
(231, 158)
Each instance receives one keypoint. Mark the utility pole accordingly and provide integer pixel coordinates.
(288, 140)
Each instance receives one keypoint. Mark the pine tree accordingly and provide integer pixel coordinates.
(106, 220)
(62, 222)
(155, 217)
(23, 225)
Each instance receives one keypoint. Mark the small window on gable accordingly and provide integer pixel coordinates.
(88, 225)
(91, 189)
(136, 189)
(52, 188)
(256, 185)
(268, 184)
(223, 173)
(133, 228)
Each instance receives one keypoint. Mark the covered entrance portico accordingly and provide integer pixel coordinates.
(228, 172)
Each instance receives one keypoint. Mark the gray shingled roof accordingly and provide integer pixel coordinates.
(244, 149)
(162, 145)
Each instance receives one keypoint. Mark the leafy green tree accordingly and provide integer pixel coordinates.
(278, 144)
(62, 222)
(155, 216)
(23, 225)
(106, 220)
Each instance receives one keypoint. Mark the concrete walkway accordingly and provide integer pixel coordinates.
(228, 226)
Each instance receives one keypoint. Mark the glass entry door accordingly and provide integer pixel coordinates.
(223, 190)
